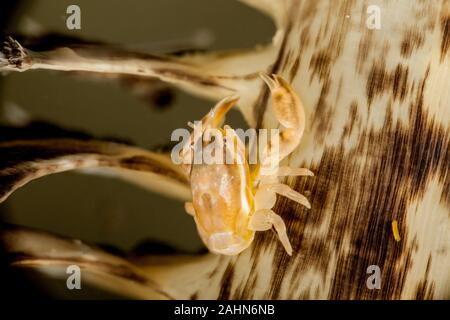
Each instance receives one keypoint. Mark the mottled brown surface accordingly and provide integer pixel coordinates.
(361, 186)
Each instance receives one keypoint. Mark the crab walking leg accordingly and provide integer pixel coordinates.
(265, 198)
(264, 219)
(288, 192)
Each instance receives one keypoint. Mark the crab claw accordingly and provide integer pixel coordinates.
(286, 105)
(269, 80)
(289, 112)
(217, 114)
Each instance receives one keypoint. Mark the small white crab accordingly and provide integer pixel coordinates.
(231, 201)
